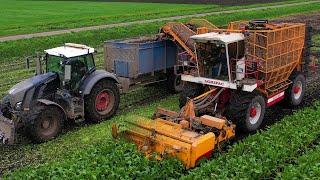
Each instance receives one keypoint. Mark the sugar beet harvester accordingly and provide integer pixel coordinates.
(231, 76)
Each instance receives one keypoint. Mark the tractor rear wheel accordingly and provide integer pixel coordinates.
(47, 124)
(102, 102)
(295, 92)
(247, 110)
(190, 90)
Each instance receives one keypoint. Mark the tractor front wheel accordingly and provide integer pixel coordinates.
(103, 101)
(247, 110)
(47, 124)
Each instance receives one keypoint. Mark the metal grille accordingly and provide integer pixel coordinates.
(278, 51)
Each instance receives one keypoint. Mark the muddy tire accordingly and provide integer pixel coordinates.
(246, 110)
(102, 102)
(296, 91)
(47, 125)
(190, 90)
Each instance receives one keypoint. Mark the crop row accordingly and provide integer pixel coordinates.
(93, 140)
(258, 156)
(305, 167)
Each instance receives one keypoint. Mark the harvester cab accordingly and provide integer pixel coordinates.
(69, 88)
(220, 61)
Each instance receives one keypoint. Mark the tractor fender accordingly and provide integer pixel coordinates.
(51, 103)
(95, 77)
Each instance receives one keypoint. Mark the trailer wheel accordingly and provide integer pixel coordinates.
(296, 91)
(190, 90)
(175, 83)
(247, 110)
(102, 102)
(47, 124)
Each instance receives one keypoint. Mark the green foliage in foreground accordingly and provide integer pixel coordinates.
(95, 38)
(305, 167)
(260, 155)
(79, 141)
(107, 159)
(256, 157)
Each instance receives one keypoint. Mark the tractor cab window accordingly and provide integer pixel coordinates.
(54, 64)
(212, 59)
(80, 66)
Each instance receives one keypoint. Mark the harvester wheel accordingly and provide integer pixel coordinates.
(190, 90)
(47, 124)
(296, 91)
(102, 102)
(247, 110)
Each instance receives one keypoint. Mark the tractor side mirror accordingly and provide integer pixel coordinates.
(67, 73)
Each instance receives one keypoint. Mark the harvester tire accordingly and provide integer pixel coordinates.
(295, 93)
(102, 102)
(247, 110)
(190, 90)
(47, 125)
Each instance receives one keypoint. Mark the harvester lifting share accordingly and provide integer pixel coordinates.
(181, 134)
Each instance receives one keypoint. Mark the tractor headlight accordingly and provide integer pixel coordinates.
(18, 106)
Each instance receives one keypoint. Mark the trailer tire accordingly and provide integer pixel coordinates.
(190, 90)
(47, 124)
(102, 102)
(247, 110)
(295, 93)
(175, 83)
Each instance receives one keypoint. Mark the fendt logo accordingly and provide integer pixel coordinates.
(213, 82)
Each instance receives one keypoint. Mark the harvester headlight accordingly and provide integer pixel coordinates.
(18, 106)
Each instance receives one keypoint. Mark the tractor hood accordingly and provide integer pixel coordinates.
(18, 92)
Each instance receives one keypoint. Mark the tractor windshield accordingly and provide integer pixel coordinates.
(54, 64)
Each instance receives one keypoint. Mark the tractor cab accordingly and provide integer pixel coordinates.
(72, 63)
(220, 61)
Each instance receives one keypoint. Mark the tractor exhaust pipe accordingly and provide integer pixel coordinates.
(7, 130)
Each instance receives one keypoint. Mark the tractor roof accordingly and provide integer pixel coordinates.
(70, 50)
(214, 37)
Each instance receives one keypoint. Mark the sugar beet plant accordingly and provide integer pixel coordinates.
(265, 153)
(259, 156)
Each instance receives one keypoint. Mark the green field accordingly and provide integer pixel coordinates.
(29, 16)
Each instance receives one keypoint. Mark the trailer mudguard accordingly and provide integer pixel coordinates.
(93, 78)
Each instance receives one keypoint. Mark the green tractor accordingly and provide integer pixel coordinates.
(69, 88)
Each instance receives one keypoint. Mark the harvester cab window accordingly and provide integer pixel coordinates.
(213, 56)
(236, 52)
